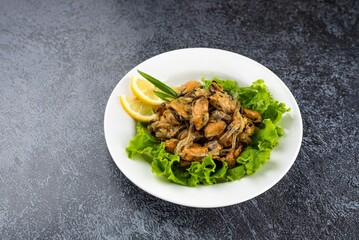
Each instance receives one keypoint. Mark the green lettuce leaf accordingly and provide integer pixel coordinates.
(268, 135)
(257, 97)
(142, 142)
(252, 159)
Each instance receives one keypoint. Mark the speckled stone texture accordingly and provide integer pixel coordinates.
(60, 60)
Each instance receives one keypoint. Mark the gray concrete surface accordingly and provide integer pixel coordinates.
(60, 60)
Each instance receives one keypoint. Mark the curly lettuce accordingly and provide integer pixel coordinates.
(209, 171)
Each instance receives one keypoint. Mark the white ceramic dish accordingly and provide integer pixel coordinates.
(176, 67)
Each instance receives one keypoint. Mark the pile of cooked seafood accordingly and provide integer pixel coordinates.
(202, 122)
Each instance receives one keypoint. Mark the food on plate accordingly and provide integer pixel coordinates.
(202, 122)
(137, 109)
(144, 91)
(143, 104)
(208, 133)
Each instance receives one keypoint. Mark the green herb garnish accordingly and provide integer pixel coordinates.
(160, 85)
(164, 96)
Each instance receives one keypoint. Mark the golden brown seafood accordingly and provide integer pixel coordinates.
(181, 106)
(189, 87)
(217, 115)
(194, 153)
(183, 134)
(244, 138)
(232, 156)
(200, 113)
(223, 101)
(171, 117)
(213, 129)
(214, 149)
(185, 142)
(254, 116)
(164, 130)
(215, 87)
(204, 122)
(249, 128)
(171, 144)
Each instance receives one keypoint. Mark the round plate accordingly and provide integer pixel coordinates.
(176, 67)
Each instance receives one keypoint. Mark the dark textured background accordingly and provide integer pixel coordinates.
(60, 60)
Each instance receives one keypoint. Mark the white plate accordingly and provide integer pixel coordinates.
(176, 67)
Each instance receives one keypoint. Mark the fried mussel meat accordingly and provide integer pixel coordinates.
(202, 122)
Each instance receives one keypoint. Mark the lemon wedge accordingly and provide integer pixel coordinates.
(137, 109)
(143, 90)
